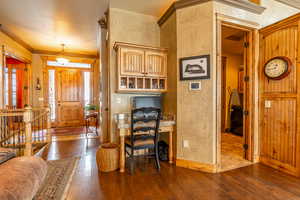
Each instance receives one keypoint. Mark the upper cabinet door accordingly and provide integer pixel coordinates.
(132, 61)
(156, 64)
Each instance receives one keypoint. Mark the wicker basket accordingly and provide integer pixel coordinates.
(108, 157)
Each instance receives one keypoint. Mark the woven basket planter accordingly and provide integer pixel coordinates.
(108, 157)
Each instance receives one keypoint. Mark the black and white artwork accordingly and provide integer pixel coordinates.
(193, 68)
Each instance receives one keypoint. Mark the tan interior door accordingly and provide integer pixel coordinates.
(69, 98)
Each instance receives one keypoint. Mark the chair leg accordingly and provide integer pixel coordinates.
(132, 161)
(157, 157)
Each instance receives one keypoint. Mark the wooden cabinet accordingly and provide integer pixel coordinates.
(132, 62)
(156, 64)
(141, 68)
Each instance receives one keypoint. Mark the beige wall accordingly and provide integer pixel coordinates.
(168, 36)
(130, 27)
(195, 109)
(37, 72)
(12, 48)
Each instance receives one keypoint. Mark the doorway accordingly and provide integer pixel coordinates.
(69, 91)
(15, 83)
(235, 137)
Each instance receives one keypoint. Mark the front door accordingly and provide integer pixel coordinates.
(69, 97)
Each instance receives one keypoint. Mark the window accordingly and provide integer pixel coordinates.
(52, 95)
(70, 65)
(87, 87)
(10, 87)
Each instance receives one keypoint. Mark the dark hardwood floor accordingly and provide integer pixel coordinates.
(256, 182)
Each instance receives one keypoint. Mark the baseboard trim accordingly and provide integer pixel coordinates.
(203, 167)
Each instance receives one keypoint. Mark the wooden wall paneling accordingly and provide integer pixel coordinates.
(278, 123)
(279, 43)
(279, 134)
(298, 104)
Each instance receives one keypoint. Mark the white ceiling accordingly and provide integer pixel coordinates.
(149, 7)
(45, 24)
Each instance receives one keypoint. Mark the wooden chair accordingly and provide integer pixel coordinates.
(144, 133)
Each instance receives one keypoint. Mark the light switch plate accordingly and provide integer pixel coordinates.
(186, 144)
(268, 104)
(118, 100)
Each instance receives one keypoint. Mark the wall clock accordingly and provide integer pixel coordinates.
(278, 68)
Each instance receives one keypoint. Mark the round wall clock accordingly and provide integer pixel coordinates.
(278, 68)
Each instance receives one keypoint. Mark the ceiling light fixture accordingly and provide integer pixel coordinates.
(61, 59)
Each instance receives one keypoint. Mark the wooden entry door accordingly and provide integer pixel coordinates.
(69, 98)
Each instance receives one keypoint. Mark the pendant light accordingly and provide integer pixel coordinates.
(61, 59)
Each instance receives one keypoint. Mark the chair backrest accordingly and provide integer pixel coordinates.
(145, 120)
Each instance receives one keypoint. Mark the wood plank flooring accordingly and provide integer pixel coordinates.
(256, 182)
(232, 152)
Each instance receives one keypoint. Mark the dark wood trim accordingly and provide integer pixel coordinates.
(15, 38)
(242, 4)
(223, 94)
(55, 53)
(292, 3)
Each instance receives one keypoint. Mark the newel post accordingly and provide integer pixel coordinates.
(49, 137)
(28, 131)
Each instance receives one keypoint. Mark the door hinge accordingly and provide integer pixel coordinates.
(25, 69)
(246, 44)
(246, 146)
(246, 78)
(25, 87)
(246, 112)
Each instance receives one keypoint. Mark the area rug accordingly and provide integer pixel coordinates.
(58, 179)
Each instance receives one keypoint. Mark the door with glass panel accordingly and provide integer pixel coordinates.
(68, 92)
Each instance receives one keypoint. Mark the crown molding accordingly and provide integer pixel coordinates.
(56, 53)
(15, 38)
(241, 4)
(292, 3)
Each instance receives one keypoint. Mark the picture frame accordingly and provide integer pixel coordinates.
(195, 68)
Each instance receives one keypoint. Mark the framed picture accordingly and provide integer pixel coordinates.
(193, 68)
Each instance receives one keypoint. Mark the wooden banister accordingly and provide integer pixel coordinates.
(28, 131)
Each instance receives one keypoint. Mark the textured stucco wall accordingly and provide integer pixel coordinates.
(130, 27)
(196, 35)
(196, 109)
(168, 36)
